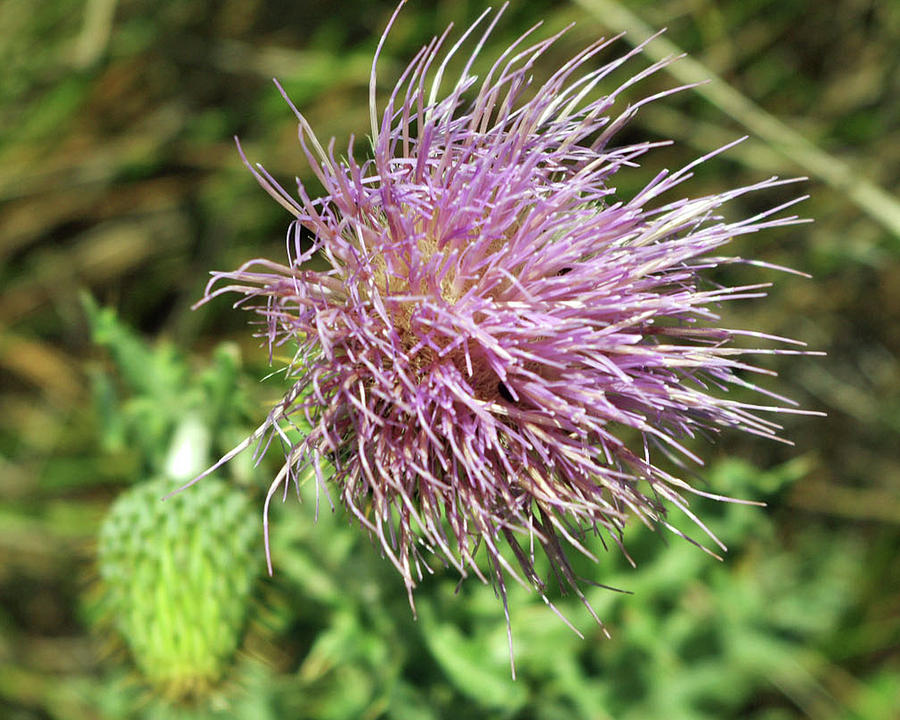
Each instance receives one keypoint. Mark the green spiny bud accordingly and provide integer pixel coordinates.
(179, 576)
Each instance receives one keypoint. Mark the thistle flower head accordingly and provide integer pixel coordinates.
(501, 345)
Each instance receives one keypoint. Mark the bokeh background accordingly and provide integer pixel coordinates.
(120, 188)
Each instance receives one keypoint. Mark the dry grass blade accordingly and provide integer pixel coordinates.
(869, 197)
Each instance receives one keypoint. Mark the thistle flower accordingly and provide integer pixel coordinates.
(501, 346)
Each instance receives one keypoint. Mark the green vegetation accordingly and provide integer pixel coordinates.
(120, 188)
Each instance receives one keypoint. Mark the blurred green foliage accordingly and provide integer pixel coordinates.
(118, 176)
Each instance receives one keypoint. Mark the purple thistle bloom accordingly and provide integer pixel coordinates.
(500, 345)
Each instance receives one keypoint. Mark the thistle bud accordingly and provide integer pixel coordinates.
(179, 576)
